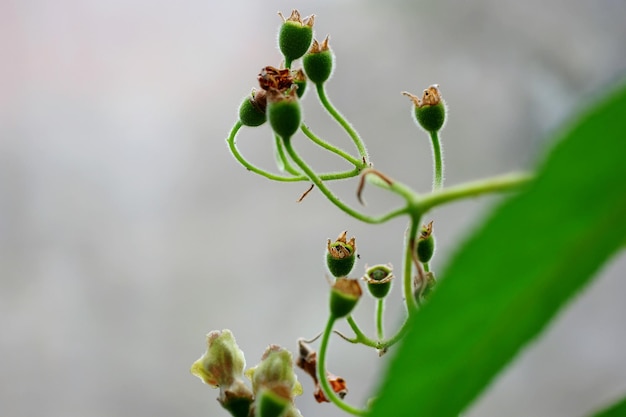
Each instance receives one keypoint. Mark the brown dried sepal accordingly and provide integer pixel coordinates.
(316, 47)
(341, 250)
(295, 17)
(427, 230)
(307, 361)
(272, 77)
(430, 97)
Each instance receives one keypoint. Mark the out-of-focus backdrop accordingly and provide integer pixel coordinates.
(127, 232)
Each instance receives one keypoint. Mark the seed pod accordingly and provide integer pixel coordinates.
(344, 295)
(430, 111)
(426, 243)
(318, 62)
(378, 280)
(295, 35)
(251, 112)
(341, 255)
(283, 111)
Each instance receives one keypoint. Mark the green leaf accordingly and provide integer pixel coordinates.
(537, 250)
(615, 410)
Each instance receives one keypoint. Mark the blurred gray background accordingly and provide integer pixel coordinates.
(127, 231)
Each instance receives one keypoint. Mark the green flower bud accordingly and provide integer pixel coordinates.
(426, 243)
(378, 280)
(274, 370)
(430, 111)
(318, 63)
(341, 255)
(283, 111)
(252, 109)
(295, 35)
(221, 366)
(344, 295)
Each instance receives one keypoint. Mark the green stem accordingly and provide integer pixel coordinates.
(321, 373)
(358, 142)
(360, 336)
(354, 161)
(315, 179)
(380, 307)
(281, 158)
(274, 177)
(508, 182)
(437, 161)
(407, 276)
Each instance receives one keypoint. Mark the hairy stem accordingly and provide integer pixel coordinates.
(321, 373)
(437, 161)
(358, 142)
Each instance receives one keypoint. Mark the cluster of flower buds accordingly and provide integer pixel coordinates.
(274, 383)
(277, 100)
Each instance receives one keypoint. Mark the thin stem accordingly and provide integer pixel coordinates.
(336, 201)
(358, 142)
(437, 161)
(321, 373)
(426, 266)
(316, 139)
(508, 182)
(360, 336)
(407, 278)
(274, 177)
(380, 307)
(281, 159)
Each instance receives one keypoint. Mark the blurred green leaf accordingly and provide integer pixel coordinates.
(615, 410)
(534, 253)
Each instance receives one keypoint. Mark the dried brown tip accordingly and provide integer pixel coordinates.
(431, 96)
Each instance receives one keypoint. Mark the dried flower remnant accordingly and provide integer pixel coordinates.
(307, 361)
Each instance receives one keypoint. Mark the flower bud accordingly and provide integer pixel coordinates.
(221, 366)
(426, 243)
(283, 111)
(430, 111)
(295, 35)
(378, 280)
(341, 255)
(318, 62)
(252, 109)
(344, 295)
(275, 370)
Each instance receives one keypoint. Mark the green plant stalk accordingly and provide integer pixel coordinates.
(361, 338)
(407, 278)
(316, 139)
(315, 179)
(437, 161)
(274, 177)
(321, 373)
(358, 142)
(380, 308)
(281, 159)
(507, 182)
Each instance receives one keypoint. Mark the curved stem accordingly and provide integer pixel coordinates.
(322, 187)
(360, 336)
(508, 182)
(354, 161)
(321, 373)
(358, 142)
(407, 278)
(281, 159)
(380, 307)
(437, 161)
(274, 177)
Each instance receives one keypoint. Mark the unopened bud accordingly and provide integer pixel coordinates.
(430, 111)
(295, 35)
(341, 255)
(344, 295)
(378, 280)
